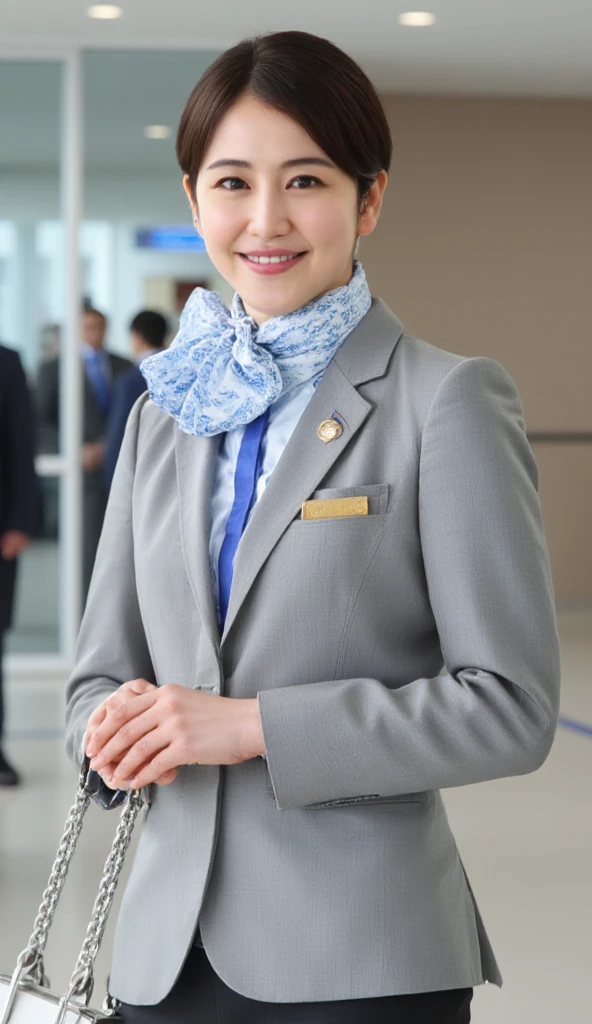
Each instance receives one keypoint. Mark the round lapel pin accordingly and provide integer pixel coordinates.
(329, 430)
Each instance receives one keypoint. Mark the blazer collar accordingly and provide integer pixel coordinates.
(304, 463)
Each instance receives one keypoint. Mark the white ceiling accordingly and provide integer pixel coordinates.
(507, 47)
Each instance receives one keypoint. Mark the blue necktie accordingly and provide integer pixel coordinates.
(98, 379)
(245, 482)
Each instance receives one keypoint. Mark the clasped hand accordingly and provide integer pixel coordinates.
(143, 733)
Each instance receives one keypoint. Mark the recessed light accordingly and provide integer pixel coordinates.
(157, 131)
(417, 19)
(105, 12)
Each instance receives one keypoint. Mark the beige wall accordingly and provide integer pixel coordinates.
(485, 248)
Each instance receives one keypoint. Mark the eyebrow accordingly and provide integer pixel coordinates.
(301, 161)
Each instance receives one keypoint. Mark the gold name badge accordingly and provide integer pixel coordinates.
(333, 508)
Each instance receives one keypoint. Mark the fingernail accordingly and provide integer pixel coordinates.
(97, 763)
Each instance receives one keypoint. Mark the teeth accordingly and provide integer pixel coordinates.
(270, 259)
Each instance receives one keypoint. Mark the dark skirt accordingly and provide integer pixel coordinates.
(201, 997)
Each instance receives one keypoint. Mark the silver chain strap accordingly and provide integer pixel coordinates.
(30, 964)
(31, 957)
(81, 982)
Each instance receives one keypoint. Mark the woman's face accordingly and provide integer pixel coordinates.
(266, 189)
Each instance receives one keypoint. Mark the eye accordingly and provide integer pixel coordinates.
(306, 180)
(231, 184)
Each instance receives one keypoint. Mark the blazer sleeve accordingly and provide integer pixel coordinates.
(493, 710)
(21, 505)
(112, 646)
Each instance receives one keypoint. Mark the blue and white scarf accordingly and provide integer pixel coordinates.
(224, 370)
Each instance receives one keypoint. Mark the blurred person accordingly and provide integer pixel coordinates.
(322, 594)
(148, 332)
(49, 342)
(18, 501)
(101, 369)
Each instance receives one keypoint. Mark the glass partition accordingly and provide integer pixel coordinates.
(32, 313)
(139, 247)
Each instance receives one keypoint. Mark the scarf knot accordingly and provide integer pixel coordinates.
(223, 370)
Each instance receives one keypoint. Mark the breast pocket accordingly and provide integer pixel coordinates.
(378, 502)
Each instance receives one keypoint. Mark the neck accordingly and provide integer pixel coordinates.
(260, 317)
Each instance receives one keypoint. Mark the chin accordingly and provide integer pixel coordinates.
(280, 304)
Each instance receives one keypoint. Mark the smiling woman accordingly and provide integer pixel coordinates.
(339, 143)
(322, 587)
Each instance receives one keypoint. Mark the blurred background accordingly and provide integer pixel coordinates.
(484, 248)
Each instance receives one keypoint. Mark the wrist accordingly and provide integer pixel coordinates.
(254, 742)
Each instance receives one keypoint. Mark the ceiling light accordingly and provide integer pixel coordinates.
(157, 131)
(105, 12)
(417, 19)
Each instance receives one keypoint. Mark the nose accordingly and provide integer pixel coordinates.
(269, 214)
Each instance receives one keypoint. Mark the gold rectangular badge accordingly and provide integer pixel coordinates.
(333, 508)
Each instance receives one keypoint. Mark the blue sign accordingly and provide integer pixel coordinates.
(175, 238)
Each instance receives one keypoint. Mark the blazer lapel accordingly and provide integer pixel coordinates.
(307, 459)
(196, 461)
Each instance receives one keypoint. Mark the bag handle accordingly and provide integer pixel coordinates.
(82, 980)
(30, 965)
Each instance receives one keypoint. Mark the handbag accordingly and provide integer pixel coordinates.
(25, 996)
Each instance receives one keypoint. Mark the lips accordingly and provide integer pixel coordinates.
(271, 264)
(272, 256)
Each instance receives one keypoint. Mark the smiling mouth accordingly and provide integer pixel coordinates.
(271, 259)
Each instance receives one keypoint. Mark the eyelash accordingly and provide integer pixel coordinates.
(300, 177)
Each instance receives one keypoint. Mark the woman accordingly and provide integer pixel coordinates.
(372, 500)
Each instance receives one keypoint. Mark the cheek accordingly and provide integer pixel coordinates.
(220, 223)
(327, 224)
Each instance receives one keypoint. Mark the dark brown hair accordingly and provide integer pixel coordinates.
(309, 79)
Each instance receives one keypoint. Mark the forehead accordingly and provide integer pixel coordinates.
(251, 130)
(93, 318)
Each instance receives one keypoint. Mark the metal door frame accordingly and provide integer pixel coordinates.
(65, 465)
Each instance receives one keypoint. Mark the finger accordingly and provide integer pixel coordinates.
(119, 711)
(107, 774)
(142, 754)
(129, 733)
(139, 685)
(98, 716)
(135, 686)
(159, 765)
(163, 780)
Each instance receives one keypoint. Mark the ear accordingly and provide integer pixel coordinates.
(372, 205)
(192, 202)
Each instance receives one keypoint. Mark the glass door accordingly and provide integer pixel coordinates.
(39, 311)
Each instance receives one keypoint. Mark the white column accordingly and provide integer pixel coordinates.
(71, 370)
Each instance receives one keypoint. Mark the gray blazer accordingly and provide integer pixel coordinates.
(330, 872)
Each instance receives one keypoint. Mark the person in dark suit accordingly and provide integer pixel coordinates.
(18, 500)
(101, 369)
(148, 331)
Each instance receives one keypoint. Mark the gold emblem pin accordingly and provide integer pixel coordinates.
(329, 430)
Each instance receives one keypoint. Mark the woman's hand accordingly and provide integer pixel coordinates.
(148, 732)
(125, 693)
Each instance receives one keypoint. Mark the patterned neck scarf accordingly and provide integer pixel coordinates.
(223, 370)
